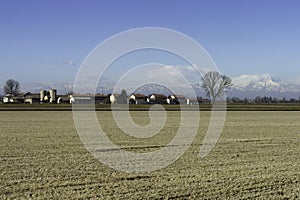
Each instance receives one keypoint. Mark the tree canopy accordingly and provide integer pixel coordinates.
(11, 87)
(215, 84)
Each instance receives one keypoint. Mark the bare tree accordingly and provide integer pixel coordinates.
(215, 84)
(11, 87)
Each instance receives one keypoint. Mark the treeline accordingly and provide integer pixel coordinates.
(262, 100)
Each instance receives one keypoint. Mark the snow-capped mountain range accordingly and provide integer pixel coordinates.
(263, 85)
(249, 86)
(260, 82)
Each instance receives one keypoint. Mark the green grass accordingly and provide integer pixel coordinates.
(257, 156)
(264, 107)
(203, 107)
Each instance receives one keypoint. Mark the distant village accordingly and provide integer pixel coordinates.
(52, 97)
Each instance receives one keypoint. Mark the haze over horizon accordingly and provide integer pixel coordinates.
(47, 41)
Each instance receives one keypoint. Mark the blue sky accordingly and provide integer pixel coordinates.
(38, 38)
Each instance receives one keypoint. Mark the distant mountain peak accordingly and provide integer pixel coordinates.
(263, 84)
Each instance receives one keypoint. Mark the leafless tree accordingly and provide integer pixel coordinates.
(215, 84)
(11, 87)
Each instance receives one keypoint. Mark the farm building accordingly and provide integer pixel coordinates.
(10, 98)
(48, 96)
(32, 98)
(106, 99)
(62, 99)
(90, 98)
(177, 99)
(138, 99)
(101, 98)
(113, 98)
(157, 99)
(81, 98)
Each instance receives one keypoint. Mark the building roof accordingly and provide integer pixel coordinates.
(31, 95)
(139, 96)
(158, 96)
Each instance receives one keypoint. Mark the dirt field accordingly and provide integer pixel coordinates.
(257, 156)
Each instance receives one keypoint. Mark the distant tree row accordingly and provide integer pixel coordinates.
(261, 100)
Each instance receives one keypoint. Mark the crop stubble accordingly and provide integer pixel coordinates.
(257, 156)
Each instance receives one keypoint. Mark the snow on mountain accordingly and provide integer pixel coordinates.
(262, 85)
(258, 82)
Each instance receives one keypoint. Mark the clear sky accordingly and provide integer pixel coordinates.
(43, 40)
